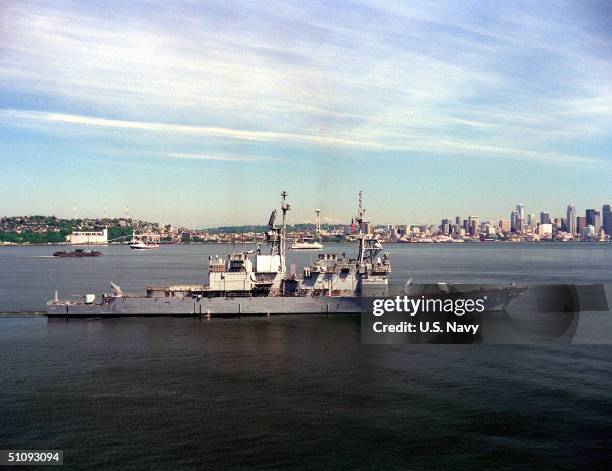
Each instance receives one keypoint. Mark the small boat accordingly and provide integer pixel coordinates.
(306, 243)
(78, 253)
(140, 242)
(140, 245)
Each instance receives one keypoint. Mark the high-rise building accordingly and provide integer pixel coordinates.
(504, 225)
(445, 226)
(571, 219)
(606, 213)
(517, 218)
(593, 218)
(531, 220)
(458, 220)
(473, 225)
(580, 224)
(544, 217)
(514, 217)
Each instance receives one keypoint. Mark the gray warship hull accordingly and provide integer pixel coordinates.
(125, 306)
(497, 298)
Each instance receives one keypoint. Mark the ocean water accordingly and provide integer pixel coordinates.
(295, 391)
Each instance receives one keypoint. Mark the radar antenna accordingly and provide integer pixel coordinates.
(275, 236)
(369, 246)
(272, 219)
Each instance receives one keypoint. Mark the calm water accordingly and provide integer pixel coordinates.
(294, 391)
(30, 275)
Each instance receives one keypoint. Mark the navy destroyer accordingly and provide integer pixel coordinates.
(257, 282)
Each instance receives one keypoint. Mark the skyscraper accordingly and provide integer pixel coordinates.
(517, 218)
(571, 219)
(531, 220)
(445, 226)
(473, 225)
(544, 217)
(514, 217)
(606, 213)
(593, 218)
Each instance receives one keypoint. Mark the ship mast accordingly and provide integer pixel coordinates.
(285, 207)
(360, 220)
(369, 247)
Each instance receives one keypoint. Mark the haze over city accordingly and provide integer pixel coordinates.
(199, 115)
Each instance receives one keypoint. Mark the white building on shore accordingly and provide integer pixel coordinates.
(89, 237)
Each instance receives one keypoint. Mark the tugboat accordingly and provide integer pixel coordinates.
(78, 253)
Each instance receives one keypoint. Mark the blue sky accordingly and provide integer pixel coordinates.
(199, 114)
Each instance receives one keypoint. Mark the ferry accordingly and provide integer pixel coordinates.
(306, 243)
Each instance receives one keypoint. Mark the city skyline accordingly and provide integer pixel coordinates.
(429, 108)
(600, 214)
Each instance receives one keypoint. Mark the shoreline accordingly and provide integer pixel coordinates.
(469, 242)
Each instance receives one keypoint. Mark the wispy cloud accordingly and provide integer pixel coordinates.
(220, 158)
(115, 163)
(211, 131)
(389, 141)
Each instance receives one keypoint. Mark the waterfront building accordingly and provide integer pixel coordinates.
(580, 224)
(571, 219)
(531, 220)
(489, 229)
(588, 231)
(89, 237)
(545, 230)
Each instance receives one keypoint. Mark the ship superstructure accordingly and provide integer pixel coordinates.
(254, 273)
